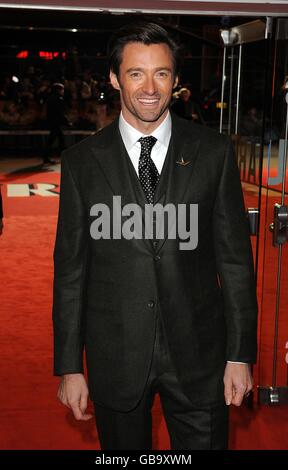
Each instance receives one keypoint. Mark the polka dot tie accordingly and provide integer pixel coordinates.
(148, 173)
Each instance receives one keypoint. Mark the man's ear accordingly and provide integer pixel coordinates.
(176, 81)
(114, 80)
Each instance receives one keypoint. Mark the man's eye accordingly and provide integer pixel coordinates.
(162, 74)
(135, 74)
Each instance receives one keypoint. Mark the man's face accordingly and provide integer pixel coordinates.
(145, 83)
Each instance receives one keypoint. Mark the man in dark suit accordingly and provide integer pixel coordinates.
(152, 317)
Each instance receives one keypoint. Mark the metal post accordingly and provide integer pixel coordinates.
(231, 90)
(238, 89)
(223, 87)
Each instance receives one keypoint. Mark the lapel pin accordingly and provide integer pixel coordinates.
(183, 162)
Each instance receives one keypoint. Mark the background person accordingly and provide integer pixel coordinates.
(185, 107)
(56, 119)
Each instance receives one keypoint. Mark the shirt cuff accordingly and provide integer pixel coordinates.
(236, 362)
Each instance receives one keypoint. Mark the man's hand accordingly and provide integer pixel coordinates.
(73, 392)
(237, 382)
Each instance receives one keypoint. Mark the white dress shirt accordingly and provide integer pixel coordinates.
(162, 133)
(131, 136)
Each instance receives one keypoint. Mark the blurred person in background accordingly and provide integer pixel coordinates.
(10, 115)
(26, 91)
(43, 91)
(251, 123)
(56, 119)
(185, 107)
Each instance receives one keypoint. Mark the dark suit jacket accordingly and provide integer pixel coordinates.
(107, 292)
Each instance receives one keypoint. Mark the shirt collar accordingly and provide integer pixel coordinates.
(130, 135)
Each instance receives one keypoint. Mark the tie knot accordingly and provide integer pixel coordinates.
(147, 143)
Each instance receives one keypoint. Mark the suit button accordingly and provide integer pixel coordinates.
(151, 304)
(157, 258)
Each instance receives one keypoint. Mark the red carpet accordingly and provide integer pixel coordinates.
(31, 417)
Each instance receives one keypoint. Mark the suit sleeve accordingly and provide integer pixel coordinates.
(235, 267)
(70, 261)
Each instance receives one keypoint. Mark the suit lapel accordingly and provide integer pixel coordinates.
(111, 158)
(184, 149)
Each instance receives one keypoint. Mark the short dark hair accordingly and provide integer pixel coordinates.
(145, 33)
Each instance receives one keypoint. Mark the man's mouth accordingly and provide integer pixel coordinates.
(148, 101)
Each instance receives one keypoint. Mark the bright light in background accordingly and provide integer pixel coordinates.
(229, 37)
(74, 30)
(15, 79)
(51, 55)
(42, 54)
(22, 55)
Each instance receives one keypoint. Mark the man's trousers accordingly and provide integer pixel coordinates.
(189, 427)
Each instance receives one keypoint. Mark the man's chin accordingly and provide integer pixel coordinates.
(150, 116)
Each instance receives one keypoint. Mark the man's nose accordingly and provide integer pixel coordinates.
(149, 86)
